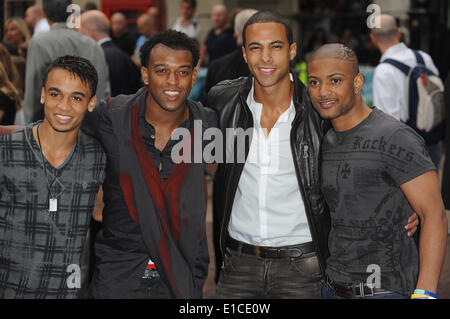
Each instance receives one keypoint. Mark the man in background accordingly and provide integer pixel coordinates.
(122, 36)
(389, 82)
(35, 18)
(220, 40)
(124, 75)
(59, 41)
(232, 65)
(186, 22)
(146, 26)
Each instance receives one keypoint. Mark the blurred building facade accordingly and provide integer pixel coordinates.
(426, 23)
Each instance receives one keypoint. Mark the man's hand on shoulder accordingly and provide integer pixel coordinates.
(6, 129)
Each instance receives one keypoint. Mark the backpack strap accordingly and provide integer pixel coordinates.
(419, 57)
(399, 65)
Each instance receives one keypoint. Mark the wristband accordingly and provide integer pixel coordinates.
(417, 296)
(425, 292)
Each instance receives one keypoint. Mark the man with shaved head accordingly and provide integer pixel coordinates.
(389, 82)
(274, 222)
(146, 25)
(124, 75)
(375, 172)
(121, 35)
(232, 65)
(220, 39)
(35, 18)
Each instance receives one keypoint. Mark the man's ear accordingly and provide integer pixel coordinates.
(399, 34)
(194, 76)
(92, 103)
(374, 40)
(358, 83)
(144, 75)
(292, 51)
(42, 95)
(244, 54)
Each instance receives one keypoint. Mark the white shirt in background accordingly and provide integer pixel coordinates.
(389, 82)
(191, 28)
(41, 26)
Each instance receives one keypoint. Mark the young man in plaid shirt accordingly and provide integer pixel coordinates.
(50, 174)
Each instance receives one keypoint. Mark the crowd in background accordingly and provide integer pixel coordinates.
(320, 22)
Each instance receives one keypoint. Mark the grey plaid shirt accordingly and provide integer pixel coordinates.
(40, 251)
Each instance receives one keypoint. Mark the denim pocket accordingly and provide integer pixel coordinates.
(307, 266)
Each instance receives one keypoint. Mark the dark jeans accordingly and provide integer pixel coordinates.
(153, 288)
(250, 277)
(328, 293)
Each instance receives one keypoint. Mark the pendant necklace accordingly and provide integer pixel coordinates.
(52, 201)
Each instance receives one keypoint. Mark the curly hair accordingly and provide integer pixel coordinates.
(77, 66)
(172, 39)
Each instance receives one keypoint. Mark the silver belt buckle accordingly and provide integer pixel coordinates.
(362, 292)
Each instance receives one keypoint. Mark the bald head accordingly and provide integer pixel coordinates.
(219, 16)
(146, 25)
(33, 14)
(388, 31)
(95, 24)
(240, 20)
(337, 51)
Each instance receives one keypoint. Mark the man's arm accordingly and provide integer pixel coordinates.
(6, 129)
(423, 193)
(97, 213)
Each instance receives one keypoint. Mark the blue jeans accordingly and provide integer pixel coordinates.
(250, 277)
(328, 293)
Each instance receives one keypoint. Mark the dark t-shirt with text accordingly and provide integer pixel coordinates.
(363, 169)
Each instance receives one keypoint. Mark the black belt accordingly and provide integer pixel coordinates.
(361, 290)
(271, 252)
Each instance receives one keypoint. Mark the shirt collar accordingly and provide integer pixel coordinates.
(393, 50)
(142, 103)
(106, 39)
(254, 106)
(59, 25)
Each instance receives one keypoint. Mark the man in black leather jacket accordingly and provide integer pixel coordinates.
(274, 222)
(285, 256)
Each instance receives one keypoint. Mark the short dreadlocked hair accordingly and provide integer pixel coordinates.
(172, 39)
(77, 66)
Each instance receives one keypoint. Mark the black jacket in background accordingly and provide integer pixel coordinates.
(228, 67)
(127, 41)
(124, 75)
(229, 100)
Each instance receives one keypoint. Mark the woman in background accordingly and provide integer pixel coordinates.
(15, 76)
(16, 36)
(10, 99)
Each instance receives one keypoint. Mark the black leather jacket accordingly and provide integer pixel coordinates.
(229, 99)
